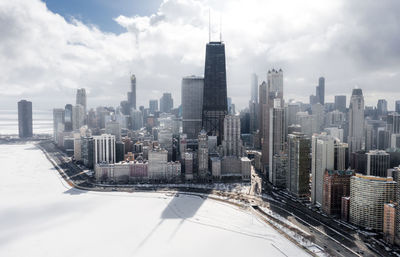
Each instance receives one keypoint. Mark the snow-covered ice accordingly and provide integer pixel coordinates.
(40, 215)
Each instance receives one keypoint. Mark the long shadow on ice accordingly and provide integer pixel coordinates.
(74, 191)
(181, 207)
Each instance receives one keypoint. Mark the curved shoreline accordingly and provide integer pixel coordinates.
(245, 202)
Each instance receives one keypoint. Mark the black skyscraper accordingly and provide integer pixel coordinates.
(214, 95)
(24, 119)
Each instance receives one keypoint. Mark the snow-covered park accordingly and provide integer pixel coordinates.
(40, 215)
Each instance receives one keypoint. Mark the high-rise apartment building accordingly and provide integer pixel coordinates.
(378, 162)
(298, 165)
(202, 154)
(356, 121)
(215, 105)
(232, 144)
(336, 185)
(25, 119)
(277, 138)
(104, 148)
(192, 105)
(368, 194)
(322, 159)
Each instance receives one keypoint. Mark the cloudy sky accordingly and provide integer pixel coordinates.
(50, 48)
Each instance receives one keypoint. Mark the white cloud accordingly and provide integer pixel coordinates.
(44, 58)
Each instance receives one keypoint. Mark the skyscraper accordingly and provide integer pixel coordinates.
(58, 122)
(81, 99)
(322, 159)
(397, 106)
(24, 119)
(132, 93)
(277, 138)
(356, 121)
(368, 194)
(166, 103)
(382, 107)
(275, 82)
(68, 117)
(232, 144)
(254, 88)
(203, 154)
(215, 105)
(298, 174)
(192, 104)
(340, 103)
(378, 162)
(78, 117)
(253, 103)
(153, 105)
(320, 91)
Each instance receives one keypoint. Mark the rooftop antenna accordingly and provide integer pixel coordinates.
(209, 25)
(220, 28)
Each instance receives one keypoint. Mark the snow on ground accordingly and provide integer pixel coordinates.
(41, 216)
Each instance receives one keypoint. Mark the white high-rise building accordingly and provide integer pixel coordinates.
(277, 139)
(356, 121)
(104, 148)
(232, 144)
(323, 157)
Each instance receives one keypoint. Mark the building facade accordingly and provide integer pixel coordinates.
(368, 194)
(215, 105)
(192, 105)
(25, 128)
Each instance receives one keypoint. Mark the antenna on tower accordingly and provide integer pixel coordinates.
(220, 27)
(209, 25)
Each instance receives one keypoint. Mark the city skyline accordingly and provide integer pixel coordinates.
(327, 50)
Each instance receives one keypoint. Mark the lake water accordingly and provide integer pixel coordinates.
(42, 122)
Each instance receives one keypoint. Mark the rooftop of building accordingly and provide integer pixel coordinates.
(340, 172)
(374, 178)
(357, 91)
(377, 152)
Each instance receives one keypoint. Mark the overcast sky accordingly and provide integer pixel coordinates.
(47, 51)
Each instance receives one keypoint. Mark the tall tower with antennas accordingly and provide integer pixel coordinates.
(215, 91)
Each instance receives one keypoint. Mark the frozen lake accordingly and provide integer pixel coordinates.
(42, 216)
